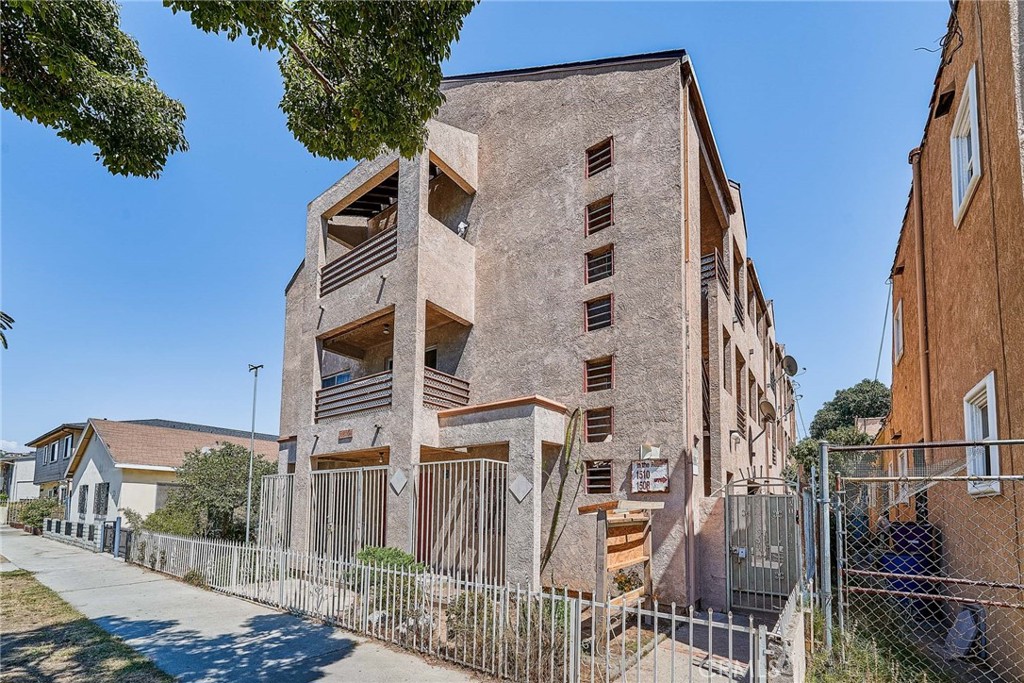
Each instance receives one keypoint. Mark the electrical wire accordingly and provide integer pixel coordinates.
(885, 323)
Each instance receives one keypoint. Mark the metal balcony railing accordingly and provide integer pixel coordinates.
(365, 393)
(741, 420)
(441, 390)
(367, 257)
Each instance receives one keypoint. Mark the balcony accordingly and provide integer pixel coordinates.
(365, 393)
(441, 390)
(738, 305)
(363, 259)
(741, 420)
(712, 267)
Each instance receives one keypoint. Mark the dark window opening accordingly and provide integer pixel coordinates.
(335, 379)
(598, 476)
(83, 499)
(599, 313)
(598, 425)
(600, 215)
(99, 504)
(600, 157)
(944, 104)
(599, 374)
(600, 264)
(430, 358)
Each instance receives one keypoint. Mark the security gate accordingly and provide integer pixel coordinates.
(347, 511)
(762, 542)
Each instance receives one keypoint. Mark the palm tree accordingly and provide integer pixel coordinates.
(6, 323)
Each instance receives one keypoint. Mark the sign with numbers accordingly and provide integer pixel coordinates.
(650, 476)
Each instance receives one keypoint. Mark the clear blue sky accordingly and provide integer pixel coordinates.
(148, 298)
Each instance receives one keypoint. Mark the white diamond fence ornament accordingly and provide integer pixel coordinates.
(520, 487)
(398, 481)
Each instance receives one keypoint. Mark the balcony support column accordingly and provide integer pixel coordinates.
(408, 424)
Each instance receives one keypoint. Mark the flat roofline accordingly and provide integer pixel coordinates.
(571, 66)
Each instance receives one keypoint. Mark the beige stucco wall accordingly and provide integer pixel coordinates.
(516, 283)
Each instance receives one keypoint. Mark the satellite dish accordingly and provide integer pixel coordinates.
(789, 366)
(767, 410)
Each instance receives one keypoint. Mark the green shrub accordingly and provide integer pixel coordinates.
(35, 511)
(391, 558)
(3, 499)
(194, 577)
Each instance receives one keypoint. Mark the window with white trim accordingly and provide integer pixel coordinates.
(965, 148)
(336, 379)
(903, 492)
(980, 425)
(68, 446)
(53, 451)
(897, 332)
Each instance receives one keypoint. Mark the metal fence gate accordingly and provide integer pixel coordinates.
(762, 543)
(930, 559)
(347, 510)
(460, 518)
(275, 518)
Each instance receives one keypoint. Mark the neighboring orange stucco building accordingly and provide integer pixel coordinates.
(958, 306)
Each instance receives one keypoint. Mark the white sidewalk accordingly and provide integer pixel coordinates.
(198, 635)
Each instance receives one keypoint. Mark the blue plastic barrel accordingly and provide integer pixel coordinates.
(905, 563)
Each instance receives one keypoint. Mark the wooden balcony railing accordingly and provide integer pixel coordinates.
(367, 257)
(365, 393)
(441, 390)
(711, 267)
(741, 420)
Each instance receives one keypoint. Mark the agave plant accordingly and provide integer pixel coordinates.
(6, 323)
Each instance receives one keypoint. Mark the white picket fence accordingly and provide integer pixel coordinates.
(506, 631)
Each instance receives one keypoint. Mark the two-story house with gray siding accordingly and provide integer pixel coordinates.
(566, 260)
(53, 451)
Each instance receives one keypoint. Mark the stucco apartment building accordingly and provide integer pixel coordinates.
(132, 464)
(568, 240)
(53, 450)
(958, 302)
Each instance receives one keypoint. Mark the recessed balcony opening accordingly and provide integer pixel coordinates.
(444, 343)
(360, 235)
(370, 457)
(449, 202)
(355, 367)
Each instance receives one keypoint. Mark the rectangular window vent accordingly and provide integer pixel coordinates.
(598, 476)
(599, 313)
(600, 264)
(598, 425)
(600, 215)
(600, 157)
(599, 374)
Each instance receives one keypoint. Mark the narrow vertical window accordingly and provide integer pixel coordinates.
(897, 332)
(600, 264)
(599, 215)
(980, 426)
(599, 313)
(598, 425)
(600, 157)
(83, 499)
(965, 148)
(599, 374)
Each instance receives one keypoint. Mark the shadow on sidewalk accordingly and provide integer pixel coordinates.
(273, 647)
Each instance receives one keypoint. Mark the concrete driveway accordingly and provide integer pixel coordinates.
(198, 635)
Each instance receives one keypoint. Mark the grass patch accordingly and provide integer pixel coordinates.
(874, 653)
(46, 639)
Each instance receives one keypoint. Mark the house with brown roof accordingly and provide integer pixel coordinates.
(132, 464)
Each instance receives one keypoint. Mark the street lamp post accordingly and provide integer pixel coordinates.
(255, 370)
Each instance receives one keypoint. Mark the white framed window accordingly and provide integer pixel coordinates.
(68, 446)
(903, 491)
(965, 148)
(980, 425)
(53, 452)
(897, 332)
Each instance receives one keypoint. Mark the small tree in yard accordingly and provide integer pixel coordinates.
(210, 497)
(213, 485)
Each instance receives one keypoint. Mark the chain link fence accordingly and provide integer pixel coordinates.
(929, 561)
